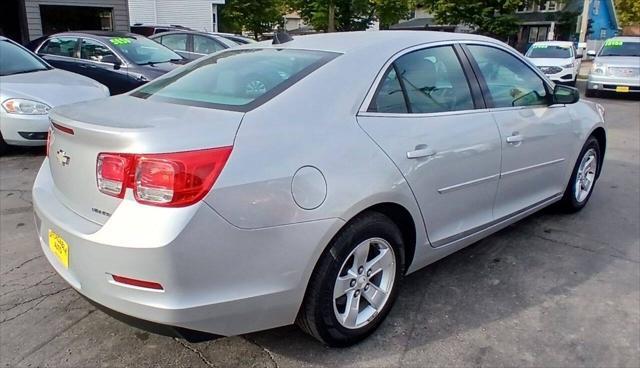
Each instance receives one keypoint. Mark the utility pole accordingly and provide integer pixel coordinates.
(331, 24)
(584, 19)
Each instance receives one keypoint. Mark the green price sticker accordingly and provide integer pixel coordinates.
(119, 41)
(614, 43)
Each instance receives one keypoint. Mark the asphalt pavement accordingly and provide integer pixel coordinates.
(550, 290)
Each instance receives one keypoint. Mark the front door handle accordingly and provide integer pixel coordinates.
(421, 151)
(515, 139)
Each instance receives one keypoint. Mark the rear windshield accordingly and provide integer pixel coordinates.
(549, 52)
(236, 80)
(620, 48)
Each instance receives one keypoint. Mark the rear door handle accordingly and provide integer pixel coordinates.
(515, 139)
(421, 151)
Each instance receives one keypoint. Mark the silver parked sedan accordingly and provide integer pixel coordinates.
(276, 183)
(29, 87)
(616, 68)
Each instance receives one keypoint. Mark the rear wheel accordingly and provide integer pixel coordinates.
(583, 179)
(355, 282)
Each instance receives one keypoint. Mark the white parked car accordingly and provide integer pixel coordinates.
(557, 59)
(30, 87)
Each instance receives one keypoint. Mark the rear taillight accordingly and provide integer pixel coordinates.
(168, 179)
(112, 172)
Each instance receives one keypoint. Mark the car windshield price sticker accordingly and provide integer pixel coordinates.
(118, 41)
(613, 43)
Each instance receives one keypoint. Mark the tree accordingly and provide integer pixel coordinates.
(491, 17)
(628, 12)
(350, 15)
(257, 16)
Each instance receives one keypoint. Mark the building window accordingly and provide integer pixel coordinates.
(603, 34)
(525, 7)
(548, 6)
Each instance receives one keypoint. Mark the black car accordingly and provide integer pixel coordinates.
(193, 44)
(121, 61)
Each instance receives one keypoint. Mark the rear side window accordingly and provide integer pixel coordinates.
(432, 80)
(176, 41)
(205, 45)
(60, 46)
(510, 81)
(236, 80)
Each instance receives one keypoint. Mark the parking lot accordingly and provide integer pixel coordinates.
(551, 290)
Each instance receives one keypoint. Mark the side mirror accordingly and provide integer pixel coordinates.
(578, 56)
(565, 95)
(591, 53)
(112, 59)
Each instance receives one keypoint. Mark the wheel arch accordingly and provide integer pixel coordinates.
(601, 136)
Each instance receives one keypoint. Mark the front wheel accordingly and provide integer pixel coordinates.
(583, 179)
(355, 282)
(4, 147)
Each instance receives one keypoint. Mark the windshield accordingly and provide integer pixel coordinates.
(236, 79)
(620, 48)
(549, 52)
(17, 60)
(142, 51)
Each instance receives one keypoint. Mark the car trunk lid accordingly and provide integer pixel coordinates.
(124, 124)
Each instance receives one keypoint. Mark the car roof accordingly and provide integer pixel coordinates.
(626, 38)
(106, 34)
(346, 42)
(559, 43)
(188, 31)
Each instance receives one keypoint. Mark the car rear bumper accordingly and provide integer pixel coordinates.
(608, 83)
(216, 277)
(24, 130)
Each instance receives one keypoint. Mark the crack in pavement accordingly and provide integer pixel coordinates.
(44, 343)
(22, 264)
(555, 241)
(191, 348)
(269, 353)
(39, 283)
(43, 297)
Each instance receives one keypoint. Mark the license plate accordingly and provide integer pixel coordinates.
(622, 89)
(59, 248)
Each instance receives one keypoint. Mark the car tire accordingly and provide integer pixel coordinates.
(584, 174)
(591, 93)
(321, 309)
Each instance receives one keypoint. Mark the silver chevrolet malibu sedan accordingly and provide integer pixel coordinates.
(301, 181)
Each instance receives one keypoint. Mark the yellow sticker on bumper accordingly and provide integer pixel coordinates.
(59, 248)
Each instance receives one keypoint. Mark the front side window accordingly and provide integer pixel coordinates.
(549, 52)
(510, 81)
(236, 79)
(60, 46)
(177, 41)
(16, 60)
(94, 51)
(434, 81)
(205, 45)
